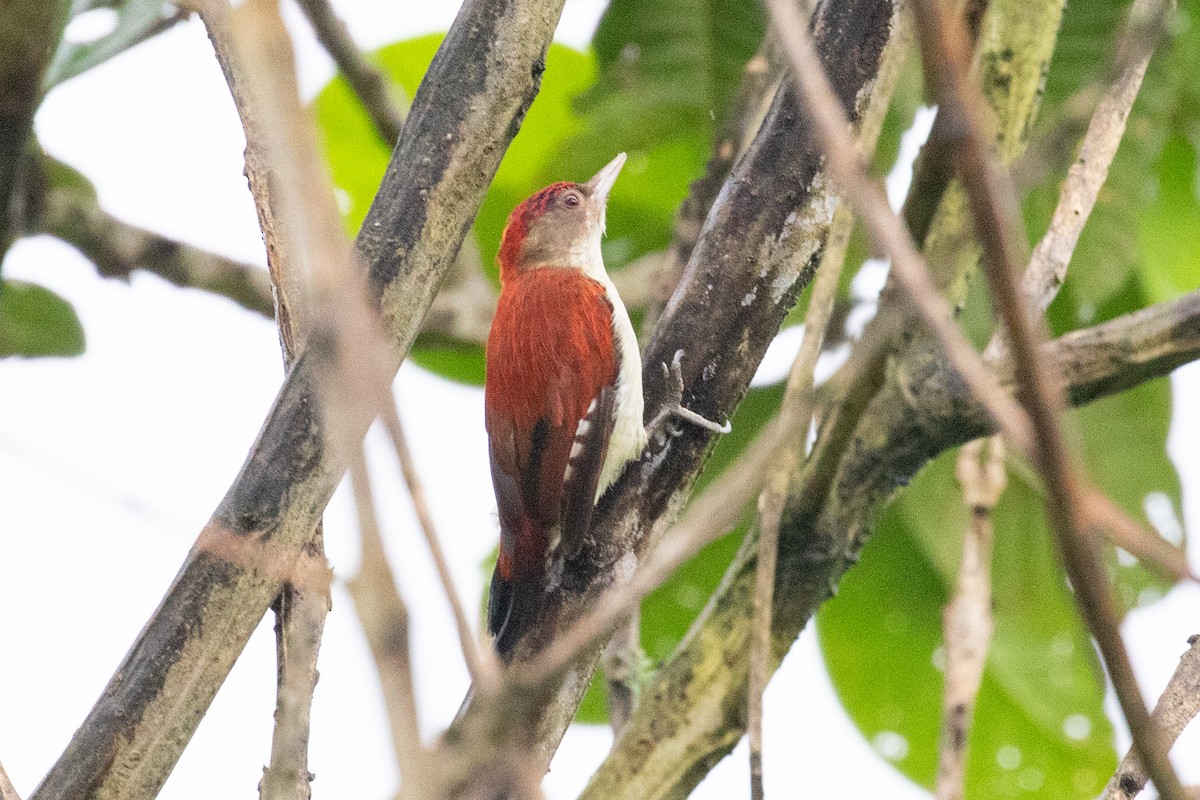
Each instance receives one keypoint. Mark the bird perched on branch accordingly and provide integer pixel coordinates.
(563, 397)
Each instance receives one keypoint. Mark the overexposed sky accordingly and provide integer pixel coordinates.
(111, 463)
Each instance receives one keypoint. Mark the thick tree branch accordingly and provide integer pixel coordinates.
(461, 122)
(795, 417)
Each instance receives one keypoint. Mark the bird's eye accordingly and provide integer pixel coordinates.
(571, 200)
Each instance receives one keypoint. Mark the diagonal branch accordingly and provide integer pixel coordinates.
(995, 211)
(461, 122)
(377, 94)
(481, 664)
(7, 790)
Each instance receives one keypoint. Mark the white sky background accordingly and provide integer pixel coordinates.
(111, 463)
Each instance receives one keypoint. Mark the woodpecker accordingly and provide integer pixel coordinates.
(563, 395)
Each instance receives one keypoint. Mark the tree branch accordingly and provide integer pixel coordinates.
(481, 664)
(384, 619)
(967, 618)
(7, 790)
(996, 213)
(795, 417)
(376, 93)
(461, 122)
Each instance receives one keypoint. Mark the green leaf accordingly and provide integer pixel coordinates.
(136, 21)
(668, 66)
(34, 322)
(1169, 229)
(1042, 688)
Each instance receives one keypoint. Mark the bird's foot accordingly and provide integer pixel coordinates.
(673, 405)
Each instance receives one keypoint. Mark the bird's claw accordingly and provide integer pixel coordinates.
(673, 404)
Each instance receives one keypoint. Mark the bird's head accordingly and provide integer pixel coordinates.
(559, 226)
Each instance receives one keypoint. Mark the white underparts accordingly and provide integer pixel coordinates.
(629, 435)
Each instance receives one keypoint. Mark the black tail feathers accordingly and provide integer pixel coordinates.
(512, 607)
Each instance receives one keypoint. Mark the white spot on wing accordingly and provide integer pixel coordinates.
(576, 449)
(584, 426)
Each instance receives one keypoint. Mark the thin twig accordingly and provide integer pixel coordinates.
(1168, 560)
(994, 208)
(1176, 707)
(967, 619)
(7, 790)
(1048, 266)
(795, 415)
(384, 619)
(378, 95)
(480, 661)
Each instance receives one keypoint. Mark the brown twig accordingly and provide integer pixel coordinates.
(384, 619)
(1177, 706)
(378, 95)
(481, 663)
(994, 208)
(7, 790)
(967, 620)
(795, 416)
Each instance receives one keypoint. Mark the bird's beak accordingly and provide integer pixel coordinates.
(599, 186)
